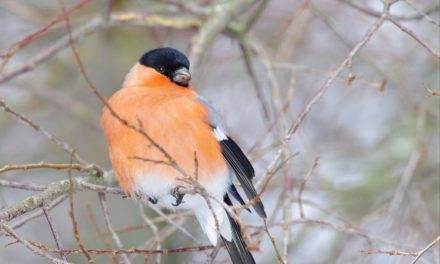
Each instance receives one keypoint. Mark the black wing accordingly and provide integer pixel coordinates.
(243, 170)
(233, 191)
(237, 160)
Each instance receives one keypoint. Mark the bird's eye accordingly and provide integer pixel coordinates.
(162, 69)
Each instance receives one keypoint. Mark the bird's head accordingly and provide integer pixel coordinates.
(170, 63)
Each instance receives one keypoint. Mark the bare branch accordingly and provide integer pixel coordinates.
(30, 217)
(51, 193)
(96, 24)
(154, 229)
(37, 34)
(134, 250)
(303, 184)
(221, 15)
(99, 232)
(9, 231)
(417, 254)
(374, 13)
(425, 249)
(413, 35)
(41, 165)
(63, 145)
(22, 185)
(110, 227)
(53, 231)
(73, 219)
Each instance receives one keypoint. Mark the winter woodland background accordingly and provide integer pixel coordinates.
(335, 102)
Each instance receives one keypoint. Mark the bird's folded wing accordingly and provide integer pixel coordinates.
(236, 159)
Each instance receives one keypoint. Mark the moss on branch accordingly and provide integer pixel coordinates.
(93, 181)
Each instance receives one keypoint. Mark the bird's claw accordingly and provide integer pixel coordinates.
(178, 195)
(152, 200)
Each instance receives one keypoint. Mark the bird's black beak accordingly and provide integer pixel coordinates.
(182, 76)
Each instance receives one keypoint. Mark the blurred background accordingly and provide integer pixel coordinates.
(374, 134)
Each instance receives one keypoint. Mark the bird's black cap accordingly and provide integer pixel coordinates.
(165, 60)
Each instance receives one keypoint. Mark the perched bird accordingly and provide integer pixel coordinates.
(183, 137)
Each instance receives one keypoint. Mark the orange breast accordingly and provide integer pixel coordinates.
(174, 119)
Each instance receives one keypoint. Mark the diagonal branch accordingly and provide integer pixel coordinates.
(115, 236)
(51, 193)
(221, 15)
(9, 231)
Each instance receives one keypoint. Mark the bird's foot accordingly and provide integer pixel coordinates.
(152, 200)
(178, 195)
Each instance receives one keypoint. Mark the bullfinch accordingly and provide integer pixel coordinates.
(156, 96)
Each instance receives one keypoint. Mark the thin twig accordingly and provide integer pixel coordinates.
(155, 220)
(432, 93)
(378, 14)
(37, 34)
(53, 191)
(42, 165)
(303, 184)
(417, 254)
(413, 163)
(250, 71)
(100, 233)
(94, 25)
(115, 236)
(22, 185)
(222, 14)
(388, 252)
(63, 145)
(30, 217)
(134, 250)
(154, 229)
(373, 29)
(272, 240)
(172, 222)
(425, 14)
(9, 231)
(73, 220)
(53, 231)
(91, 26)
(413, 35)
(425, 249)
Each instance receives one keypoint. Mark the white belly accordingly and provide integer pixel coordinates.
(156, 187)
(161, 188)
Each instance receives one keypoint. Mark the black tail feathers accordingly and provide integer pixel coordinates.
(237, 248)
